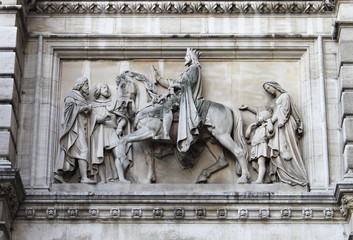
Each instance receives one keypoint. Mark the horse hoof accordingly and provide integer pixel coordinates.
(153, 179)
(201, 179)
(242, 180)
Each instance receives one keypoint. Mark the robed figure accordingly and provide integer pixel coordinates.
(74, 148)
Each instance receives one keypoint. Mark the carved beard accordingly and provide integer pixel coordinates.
(85, 93)
(105, 94)
(188, 63)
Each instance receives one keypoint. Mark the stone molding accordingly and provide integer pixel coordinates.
(235, 206)
(211, 202)
(183, 7)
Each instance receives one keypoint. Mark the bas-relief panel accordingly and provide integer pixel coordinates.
(231, 83)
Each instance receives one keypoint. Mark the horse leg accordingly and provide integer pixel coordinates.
(139, 135)
(220, 163)
(227, 141)
(150, 160)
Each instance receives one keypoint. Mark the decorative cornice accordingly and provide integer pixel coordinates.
(11, 187)
(183, 7)
(346, 205)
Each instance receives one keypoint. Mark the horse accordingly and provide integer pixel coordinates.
(148, 126)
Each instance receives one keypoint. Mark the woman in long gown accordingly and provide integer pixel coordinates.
(286, 160)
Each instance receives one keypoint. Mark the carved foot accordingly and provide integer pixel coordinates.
(124, 181)
(201, 179)
(257, 182)
(87, 180)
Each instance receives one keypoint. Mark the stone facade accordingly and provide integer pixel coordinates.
(305, 46)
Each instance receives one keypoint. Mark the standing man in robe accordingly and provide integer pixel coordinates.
(109, 123)
(74, 149)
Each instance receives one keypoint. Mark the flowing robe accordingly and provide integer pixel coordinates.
(73, 141)
(286, 161)
(103, 136)
(190, 98)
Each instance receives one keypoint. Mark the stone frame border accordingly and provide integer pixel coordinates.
(54, 48)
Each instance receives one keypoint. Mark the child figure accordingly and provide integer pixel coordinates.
(263, 131)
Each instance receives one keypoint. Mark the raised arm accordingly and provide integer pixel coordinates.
(248, 108)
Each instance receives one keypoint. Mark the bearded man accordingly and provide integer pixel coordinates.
(74, 149)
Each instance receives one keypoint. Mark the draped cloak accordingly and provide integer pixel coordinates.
(189, 119)
(286, 160)
(73, 141)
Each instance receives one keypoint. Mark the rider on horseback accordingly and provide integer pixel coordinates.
(190, 99)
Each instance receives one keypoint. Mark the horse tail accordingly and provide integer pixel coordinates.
(238, 132)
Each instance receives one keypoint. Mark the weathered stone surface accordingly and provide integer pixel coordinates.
(348, 158)
(8, 120)
(346, 50)
(8, 20)
(181, 230)
(346, 77)
(8, 37)
(347, 128)
(7, 150)
(347, 100)
(345, 10)
(8, 91)
(7, 63)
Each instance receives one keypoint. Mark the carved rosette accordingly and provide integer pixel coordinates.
(30, 213)
(51, 213)
(114, 213)
(158, 212)
(136, 213)
(179, 213)
(222, 213)
(264, 213)
(182, 7)
(307, 213)
(286, 213)
(200, 213)
(243, 213)
(94, 212)
(73, 212)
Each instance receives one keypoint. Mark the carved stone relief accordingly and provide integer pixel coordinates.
(98, 135)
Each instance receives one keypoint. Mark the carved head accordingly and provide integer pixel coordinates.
(192, 56)
(102, 89)
(271, 87)
(82, 85)
(263, 114)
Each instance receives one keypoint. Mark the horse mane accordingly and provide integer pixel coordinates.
(149, 85)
